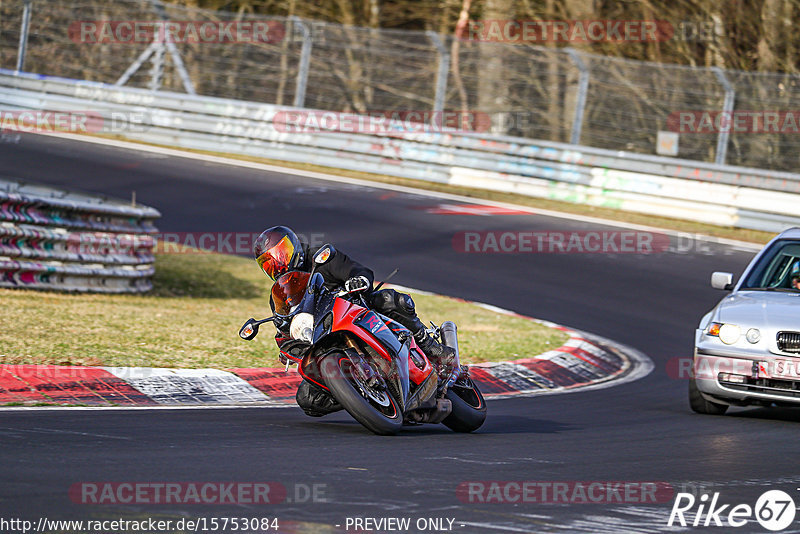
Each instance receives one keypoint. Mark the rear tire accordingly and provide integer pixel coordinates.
(346, 390)
(700, 405)
(469, 409)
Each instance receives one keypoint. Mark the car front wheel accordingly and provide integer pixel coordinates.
(699, 404)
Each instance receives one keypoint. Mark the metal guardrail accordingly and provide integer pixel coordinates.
(605, 102)
(52, 239)
(716, 194)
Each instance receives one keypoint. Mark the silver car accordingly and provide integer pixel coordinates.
(747, 349)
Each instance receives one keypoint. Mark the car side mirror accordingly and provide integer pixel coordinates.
(720, 280)
(249, 330)
(324, 254)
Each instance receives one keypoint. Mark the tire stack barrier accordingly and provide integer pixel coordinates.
(58, 240)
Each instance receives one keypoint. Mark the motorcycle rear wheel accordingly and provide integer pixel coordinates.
(469, 408)
(377, 411)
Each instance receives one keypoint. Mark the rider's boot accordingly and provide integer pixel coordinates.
(442, 357)
(315, 401)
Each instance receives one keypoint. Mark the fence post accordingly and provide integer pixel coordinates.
(305, 62)
(159, 8)
(580, 103)
(727, 110)
(157, 70)
(23, 36)
(442, 71)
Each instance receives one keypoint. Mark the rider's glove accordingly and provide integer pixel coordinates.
(356, 283)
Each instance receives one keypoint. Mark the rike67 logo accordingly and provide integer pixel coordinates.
(774, 510)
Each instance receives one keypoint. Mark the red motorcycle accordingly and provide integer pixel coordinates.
(368, 362)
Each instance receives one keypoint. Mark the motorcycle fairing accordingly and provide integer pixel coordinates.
(422, 368)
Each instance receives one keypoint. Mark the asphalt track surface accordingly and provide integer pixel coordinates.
(640, 431)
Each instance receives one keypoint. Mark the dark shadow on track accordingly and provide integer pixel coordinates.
(791, 415)
(498, 425)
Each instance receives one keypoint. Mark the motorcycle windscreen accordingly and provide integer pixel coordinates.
(288, 291)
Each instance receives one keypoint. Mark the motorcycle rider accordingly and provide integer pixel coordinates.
(278, 250)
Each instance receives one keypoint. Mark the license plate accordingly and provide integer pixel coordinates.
(786, 369)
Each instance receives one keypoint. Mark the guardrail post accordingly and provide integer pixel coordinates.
(727, 110)
(583, 91)
(23, 35)
(305, 62)
(442, 72)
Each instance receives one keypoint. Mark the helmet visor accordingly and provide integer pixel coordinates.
(275, 261)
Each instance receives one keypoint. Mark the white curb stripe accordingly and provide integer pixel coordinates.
(190, 386)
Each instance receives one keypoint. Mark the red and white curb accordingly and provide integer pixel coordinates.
(584, 362)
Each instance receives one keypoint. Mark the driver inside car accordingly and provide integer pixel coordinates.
(278, 251)
(795, 276)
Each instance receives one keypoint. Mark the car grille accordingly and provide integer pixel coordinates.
(789, 342)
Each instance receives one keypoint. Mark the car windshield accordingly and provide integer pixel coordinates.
(774, 271)
(288, 291)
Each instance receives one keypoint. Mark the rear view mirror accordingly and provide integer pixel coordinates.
(249, 330)
(720, 280)
(324, 254)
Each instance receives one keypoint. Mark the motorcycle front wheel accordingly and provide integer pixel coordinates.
(374, 408)
(469, 407)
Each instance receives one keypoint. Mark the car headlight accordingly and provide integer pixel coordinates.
(728, 333)
(731, 333)
(302, 327)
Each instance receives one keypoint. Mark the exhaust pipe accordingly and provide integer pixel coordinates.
(449, 333)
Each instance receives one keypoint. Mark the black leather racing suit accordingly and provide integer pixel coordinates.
(314, 400)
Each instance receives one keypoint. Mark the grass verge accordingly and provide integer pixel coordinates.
(192, 316)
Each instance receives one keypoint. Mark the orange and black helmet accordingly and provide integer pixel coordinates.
(277, 251)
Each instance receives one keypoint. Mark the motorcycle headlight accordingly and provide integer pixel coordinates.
(302, 327)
